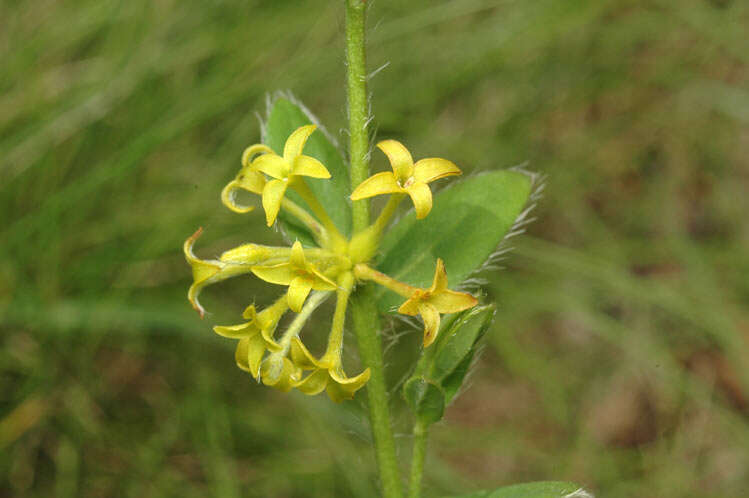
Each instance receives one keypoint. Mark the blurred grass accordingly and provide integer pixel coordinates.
(618, 359)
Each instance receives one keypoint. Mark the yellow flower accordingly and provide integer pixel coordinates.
(255, 336)
(429, 303)
(327, 374)
(249, 179)
(407, 177)
(298, 274)
(279, 372)
(285, 170)
(207, 272)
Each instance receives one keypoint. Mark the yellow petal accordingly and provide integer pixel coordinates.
(280, 373)
(297, 258)
(240, 355)
(314, 383)
(272, 196)
(250, 313)
(341, 387)
(240, 331)
(421, 197)
(250, 254)
(431, 318)
(207, 272)
(449, 301)
(299, 289)
(255, 351)
(253, 150)
(277, 274)
(251, 328)
(411, 306)
(301, 356)
(249, 353)
(320, 281)
(295, 143)
(309, 166)
(434, 168)
(439, 283)
(381, 183)
(248, 179)
(399, 157)
(272, 165)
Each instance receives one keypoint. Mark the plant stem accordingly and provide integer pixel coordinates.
(364, 312)
(307, 219)
(421, 432)
(335, 340)
(366, 325)
(334, 236)
(358, 110)
(387, 213)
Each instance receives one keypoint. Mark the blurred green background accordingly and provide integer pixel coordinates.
(619, 355)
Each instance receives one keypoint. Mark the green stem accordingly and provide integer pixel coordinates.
(335, 340)
(313, 301)
(358, 110)
(366, 325)
(307, 220)
(335, 237)
(386, 214)
(364, 311)
(421, 431)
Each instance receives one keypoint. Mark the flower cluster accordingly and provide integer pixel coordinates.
(312, 274)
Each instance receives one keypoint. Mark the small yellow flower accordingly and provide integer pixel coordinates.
(255, 336)
(285, 170)
(207, 272)
(407, 177)
(429, 303)
(249, 179)
(298, 274)
(327, 374)
(280, 372)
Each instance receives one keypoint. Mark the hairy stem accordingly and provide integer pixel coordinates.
(364, 312)
(358, 110)
(366, 325)
(417, 459)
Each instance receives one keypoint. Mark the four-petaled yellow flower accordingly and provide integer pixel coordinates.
(286, 170)
(406, 177)
(255, 336)
(327, 374)
(207, 272)
(248, 178)
(429, 303)
(298, 274)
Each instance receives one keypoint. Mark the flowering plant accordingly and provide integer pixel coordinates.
(320, 202)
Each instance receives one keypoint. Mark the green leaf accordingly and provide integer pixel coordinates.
(459, 341)
(550, 489)
(286, 116)
(445, 364)
(425, 398)
(465, 226)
